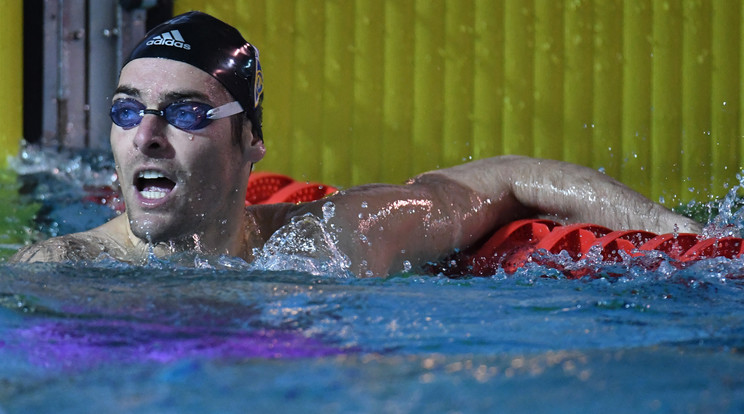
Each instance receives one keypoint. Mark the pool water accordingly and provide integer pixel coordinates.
(203, 334)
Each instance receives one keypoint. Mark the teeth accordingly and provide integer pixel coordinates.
(149, 175)
(152, 195)
(151, 190)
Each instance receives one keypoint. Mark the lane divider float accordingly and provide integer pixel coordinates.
(538, 240)
(270, 188)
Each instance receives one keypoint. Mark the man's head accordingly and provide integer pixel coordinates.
(175, 110)
(215, 47)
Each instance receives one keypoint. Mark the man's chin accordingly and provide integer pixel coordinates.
(156, 231)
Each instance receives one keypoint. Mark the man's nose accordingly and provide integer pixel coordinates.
(151, 139)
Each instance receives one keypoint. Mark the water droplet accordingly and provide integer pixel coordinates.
(407, 266)
(197, 243)
(329, 210)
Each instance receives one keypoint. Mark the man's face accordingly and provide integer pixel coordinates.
(177, 183)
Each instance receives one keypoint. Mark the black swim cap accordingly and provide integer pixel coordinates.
(215, 47)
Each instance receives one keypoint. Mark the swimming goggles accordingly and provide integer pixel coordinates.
(186, 115)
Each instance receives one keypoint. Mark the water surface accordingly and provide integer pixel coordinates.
(202, 334)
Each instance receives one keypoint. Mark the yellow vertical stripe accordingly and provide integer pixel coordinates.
(518, 79)
(549, 61)
(726, 91)
(278, 64)
(368, 121)
(428, 85)
(740, 73)
(696, 94)
(11, 79)
(307, 102)
(397, 68)
(608, 86)
(338, 73)
(488, 78)
(667, 98)
(458, 85)
(577, 84)
(636, 103)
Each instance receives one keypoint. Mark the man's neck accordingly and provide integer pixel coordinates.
(226, 237)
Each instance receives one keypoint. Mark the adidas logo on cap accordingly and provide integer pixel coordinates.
(171, 38)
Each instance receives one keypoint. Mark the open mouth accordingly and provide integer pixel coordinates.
(153, 185)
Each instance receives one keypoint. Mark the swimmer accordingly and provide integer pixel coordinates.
(187, 130)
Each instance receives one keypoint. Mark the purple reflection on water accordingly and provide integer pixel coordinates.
(86, 343)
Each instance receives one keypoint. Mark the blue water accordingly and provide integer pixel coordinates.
(198, 334)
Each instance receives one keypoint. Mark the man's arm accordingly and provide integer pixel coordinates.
(569, 193)
(383, 226)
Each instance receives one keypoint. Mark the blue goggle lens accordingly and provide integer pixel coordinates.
(188, 116)
(126, 113)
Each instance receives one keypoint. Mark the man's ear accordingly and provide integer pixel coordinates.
(254, 149)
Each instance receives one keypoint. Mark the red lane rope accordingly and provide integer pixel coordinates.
(513, 245)
(270, 188)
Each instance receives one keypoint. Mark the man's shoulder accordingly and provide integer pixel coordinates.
(78, 246)
(87, 245)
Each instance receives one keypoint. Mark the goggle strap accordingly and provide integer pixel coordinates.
(225, 110)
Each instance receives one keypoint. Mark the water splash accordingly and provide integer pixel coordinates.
(76, 189)
(81, 168)
(729, 222)
(306, 244)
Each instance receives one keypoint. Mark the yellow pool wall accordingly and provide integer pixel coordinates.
(379, 90)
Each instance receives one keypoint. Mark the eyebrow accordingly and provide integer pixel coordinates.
(127, 90)
(172, 96)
